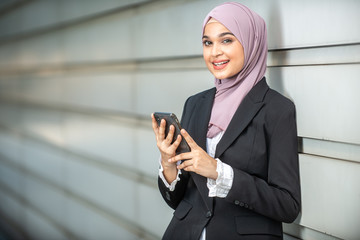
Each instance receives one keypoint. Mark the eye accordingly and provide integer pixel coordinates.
(207, 43)
(227, 41)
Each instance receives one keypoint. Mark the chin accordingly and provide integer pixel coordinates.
(221, 76)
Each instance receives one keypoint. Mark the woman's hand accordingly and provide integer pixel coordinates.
(167, 150)
(197, 160)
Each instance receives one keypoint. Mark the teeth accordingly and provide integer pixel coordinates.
(220, 63)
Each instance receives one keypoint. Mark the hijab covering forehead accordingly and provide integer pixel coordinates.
(250, 30)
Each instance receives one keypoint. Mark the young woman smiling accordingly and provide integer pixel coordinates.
(241, 178)
(223, 53)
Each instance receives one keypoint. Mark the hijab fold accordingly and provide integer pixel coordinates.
(250, 30)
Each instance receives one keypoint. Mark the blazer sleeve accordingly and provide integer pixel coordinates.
(278, 196)
(173, 198)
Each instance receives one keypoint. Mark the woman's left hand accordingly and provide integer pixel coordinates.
(197, 160)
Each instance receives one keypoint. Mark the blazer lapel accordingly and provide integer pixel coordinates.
(202, 117)
(247, 110)
(202, 113)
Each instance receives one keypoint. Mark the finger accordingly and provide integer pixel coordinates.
(177, 142)
(180, 157)
(154, 124)
(188, 166)
(189, 169)
(162, 129)
(188, 138)
(185, 164)
(170, 135)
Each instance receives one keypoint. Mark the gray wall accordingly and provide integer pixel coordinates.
(79, 79)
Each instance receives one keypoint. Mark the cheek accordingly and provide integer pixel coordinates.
(206, 57)
(206, 54)
(239, 56)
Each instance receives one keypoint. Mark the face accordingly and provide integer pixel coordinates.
(223, 53)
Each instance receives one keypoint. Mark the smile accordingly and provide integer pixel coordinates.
(220, 63)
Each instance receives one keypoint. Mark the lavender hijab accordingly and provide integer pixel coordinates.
(250, 29)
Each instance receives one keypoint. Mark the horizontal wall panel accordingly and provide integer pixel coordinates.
(110, 91)
(52, 206)
(13, 209)
(10, 55)
(306, 23)
(323, 182)
(177, 32)
(58, 203)
(44, 160)
(315, 56)
(156, 218)
(82, 135)
(168, 91)
(39, 228)
(44, 124)
(305, 233)
(147, 156)
(6, 4)
(131, 35)
(100, 138)
(42, 51)
(105, 189)
(103, 91)
(340, 54)
(11, 178)
(88, 224)
(10, 144)
(107, 39)
(325, 99)
(10, 115)
(286, 25)
(343, 151)
(45, 89)
(50, 13)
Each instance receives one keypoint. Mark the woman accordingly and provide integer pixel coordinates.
(241, 178)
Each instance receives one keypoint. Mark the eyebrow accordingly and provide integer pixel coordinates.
(221, 34)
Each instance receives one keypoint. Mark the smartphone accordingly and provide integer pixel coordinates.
(171, 119)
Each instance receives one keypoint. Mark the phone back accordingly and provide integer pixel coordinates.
(171, 119)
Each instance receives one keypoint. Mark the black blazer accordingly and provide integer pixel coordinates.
(260, 144)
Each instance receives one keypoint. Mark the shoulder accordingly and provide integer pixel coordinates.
(192, 100)
(192, 103)
(278, 109)
(273, 101)
(202, 94)
(278, 102)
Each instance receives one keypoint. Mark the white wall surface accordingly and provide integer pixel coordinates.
(78, 83)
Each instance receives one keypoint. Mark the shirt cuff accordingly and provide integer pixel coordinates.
(222, 185)
(172, 185)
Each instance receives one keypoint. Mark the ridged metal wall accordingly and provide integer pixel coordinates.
(79, 79)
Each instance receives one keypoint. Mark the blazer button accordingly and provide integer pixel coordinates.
(208, 214)
(242, 204)
(246, 206)
(237, 202)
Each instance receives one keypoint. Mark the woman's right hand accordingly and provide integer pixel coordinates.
(167, 150)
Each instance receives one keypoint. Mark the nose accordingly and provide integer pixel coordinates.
(216, 50)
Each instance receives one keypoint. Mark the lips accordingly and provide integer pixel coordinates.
(218, 65)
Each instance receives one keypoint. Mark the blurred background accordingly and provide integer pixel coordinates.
(80, 78)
